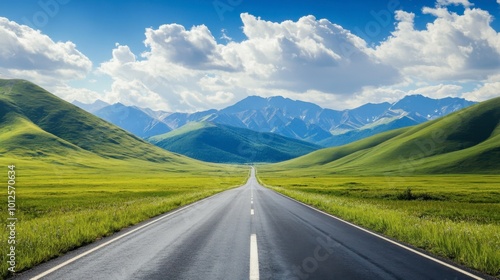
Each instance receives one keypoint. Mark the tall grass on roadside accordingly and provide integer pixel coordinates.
(62, 208)
(41, 239)
(471, 241)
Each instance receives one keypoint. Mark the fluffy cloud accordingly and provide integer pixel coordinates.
(189, 69)
(310, 54)
(70, 93)
(137, 93)
(465, 3)
(453, 47)
(487, 90)
(27, 53)
(439, 91)
(195, 48)
(153, 82)
(311, 59)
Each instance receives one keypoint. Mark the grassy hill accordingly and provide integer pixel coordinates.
(226, 144)
(434, 186)
(35, 123)
(467, 141)
(79, 178)
(367, 131)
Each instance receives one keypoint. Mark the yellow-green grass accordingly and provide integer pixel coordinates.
(452, 216)
(61, 207)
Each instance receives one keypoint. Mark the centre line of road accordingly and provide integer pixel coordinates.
(254, 258)
(251, 212)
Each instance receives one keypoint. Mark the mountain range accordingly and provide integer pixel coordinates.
(290, 118)
(38, 125)
(35, 124)
(135, 120)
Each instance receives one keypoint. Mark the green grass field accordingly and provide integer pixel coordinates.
(452, 216)
(79, 178)
(402, 184)
(60, 207)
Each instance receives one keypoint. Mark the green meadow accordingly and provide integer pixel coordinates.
(79, 178)
(61, 207)
(434, 186)
(452, 216)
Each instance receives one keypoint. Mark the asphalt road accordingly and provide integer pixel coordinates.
(246, 233)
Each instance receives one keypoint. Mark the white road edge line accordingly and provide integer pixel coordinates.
(254, 258)
(389, 240)
(47, 272)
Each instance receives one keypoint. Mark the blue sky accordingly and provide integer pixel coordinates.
(101, 32)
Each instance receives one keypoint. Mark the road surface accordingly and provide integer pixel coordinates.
(246, 233)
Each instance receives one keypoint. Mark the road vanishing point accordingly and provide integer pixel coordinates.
(249, 232)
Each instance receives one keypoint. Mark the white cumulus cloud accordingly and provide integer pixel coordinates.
(464, 3)
(195, 48)
(310, 54)
(488, 90)
(311, 59)
(439, 91)
(27, 53)
(187, 69)
(452, 47)
(190, 70)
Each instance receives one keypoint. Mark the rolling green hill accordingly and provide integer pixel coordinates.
(226, 144)
(35, 123)
(467, 141)
(79, 178)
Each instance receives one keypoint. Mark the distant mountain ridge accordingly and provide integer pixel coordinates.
(134, 120)
(212, 142)
(467, 141)
(301, 120)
